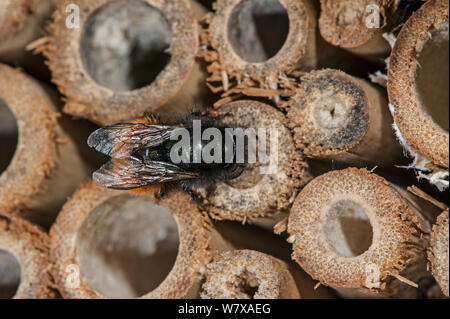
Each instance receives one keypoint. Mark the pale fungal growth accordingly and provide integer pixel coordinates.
(40, 164)
(126, 59)
(334, 115)
(356, 25)
(438, 254)
(353, 231)
(248, 274)
(252, 44)
(22, 21)
(24, 260)
(418, 91)
(258, 192)
(115, 244)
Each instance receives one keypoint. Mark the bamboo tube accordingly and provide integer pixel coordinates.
(250, 237)
(122, 245)
(46, 166)
(438, 252)
(248, 274)
(353, 231)
(22, 21)
(24, 260)
(256, 193)
(357, 25)
(251, 44)
(126, 59)
(418, 91)
(336, 116)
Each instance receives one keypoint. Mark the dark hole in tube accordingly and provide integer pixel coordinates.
(10, 274)
(125, 45)
(9, 133)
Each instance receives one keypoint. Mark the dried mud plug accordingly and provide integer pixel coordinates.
(336, 116)
(127, 58)
(353, 231)
(40, 165)
(438, 252)
(264, 188)
(112, 244)
(24, 260)
(418, 91)
(252, 44)
(248, 274)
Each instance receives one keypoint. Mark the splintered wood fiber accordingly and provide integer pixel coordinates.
(128, 246)
(255, 194)
(248, 274)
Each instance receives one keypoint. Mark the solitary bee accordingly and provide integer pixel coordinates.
(143, 157)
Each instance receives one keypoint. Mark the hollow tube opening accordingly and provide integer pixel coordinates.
(125, 45)
(127, 246)
(257, 29)
(10, 274)
(432, 77)
(9, 134)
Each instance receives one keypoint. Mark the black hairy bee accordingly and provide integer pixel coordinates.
(142, 155)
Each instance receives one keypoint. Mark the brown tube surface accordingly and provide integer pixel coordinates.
(334, 115)
(123, 245)
(248, 274)
(45, 167)
(356, 25)
(24, 260)
(128, 58)
(353, 231)
(438, 252)
(254, 194)
(252, 44)
(418, 90)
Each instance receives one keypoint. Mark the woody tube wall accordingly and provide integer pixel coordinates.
(248, 274)
(336, 116)
(126, 58)
(418, 91)
(21, 22)
(116, 244)
(357, 25)
(40, 164)
(24, 260)
(265, 188)
(353, 231)
(252, 44)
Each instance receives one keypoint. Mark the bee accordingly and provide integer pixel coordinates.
(141, 155)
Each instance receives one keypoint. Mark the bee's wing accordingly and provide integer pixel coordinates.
(129, 173)
(121, 139)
